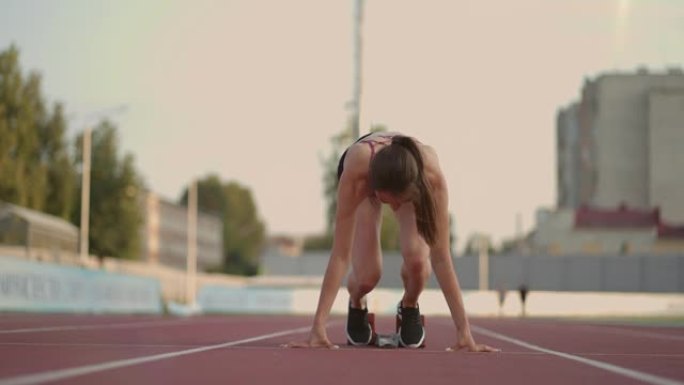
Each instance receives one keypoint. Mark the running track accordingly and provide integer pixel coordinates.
(79, 349)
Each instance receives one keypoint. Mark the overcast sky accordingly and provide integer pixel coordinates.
(252, 90)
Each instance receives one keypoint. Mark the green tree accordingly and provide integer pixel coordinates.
(339, 144)
(243, 231)
(61, 173)
(115, 215)
(389, 232)
(34, 162)
(23, 173)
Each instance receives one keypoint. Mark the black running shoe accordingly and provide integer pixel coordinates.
(411, 331)
(359, 330)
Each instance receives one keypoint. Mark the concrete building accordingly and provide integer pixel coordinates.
(35, 230)
(666, 153)
(164, 234)
(567, 148)
(622, 144)
(605, 231)
(591, 231)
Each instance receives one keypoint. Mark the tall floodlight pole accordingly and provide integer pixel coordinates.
(85, 178)
(85, 194)
(191, 274)
(483, 262)
(356, 102)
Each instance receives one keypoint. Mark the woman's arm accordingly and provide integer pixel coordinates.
(338, 264)
(440, 256)
(352, 189)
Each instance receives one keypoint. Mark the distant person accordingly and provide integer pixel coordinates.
(400, 171)
(523, 290)
(501, 296)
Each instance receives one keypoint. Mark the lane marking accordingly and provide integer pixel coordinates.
(636, 333)
(124, 325)
(61, 374)
(646, 355)
(97, 345)
(630, 373)
(612, 329)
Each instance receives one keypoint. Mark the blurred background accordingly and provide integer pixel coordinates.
(194, 145)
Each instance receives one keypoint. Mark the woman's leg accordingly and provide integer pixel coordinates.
(416, 269)
(414, 272)
(365, 272)
(366, 253)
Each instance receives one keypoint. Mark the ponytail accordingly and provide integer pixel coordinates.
(423, 201)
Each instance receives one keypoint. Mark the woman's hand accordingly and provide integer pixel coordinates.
(317, 339)
(467, 344)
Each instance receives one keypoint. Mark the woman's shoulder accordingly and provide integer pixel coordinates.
(357, 158)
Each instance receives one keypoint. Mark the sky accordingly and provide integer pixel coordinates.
(253, 90)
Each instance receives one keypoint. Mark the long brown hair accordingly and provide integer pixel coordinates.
(399, 169)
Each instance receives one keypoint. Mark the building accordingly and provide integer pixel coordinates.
(597, 231)
(620, 156)
(164, 236)
(622, 144)
(35, 230)
(568, 150)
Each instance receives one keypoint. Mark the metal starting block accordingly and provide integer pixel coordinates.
(387, 341)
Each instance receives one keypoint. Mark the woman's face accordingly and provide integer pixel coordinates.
(391, 199)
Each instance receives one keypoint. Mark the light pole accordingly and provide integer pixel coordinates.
(356, 102)
(85, 177)
(483, 262)
(191, 273)
(85, 194)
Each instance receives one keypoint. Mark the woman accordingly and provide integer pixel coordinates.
(397, 170)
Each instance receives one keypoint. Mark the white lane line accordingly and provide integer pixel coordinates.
(645, 355)
(613, 329)
(95, 326)
(674, 355)
(630, 373)
(55, 375)
(636, 333)
(97, 345)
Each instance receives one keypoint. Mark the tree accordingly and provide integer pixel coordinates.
(39, 173)
(61, 173)
(23, 173)
(34, 162)
(339, 143)
(115, 215)
(243, 231)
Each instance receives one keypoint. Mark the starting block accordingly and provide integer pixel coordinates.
(389, 341)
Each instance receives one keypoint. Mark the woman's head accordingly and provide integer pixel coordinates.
(394, 169)
(397, 175)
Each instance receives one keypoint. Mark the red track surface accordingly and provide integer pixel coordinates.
(213, 350)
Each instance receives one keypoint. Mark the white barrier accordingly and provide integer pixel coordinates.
(478, 303)
(27, 285)
(231, 299)
(43, 287)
